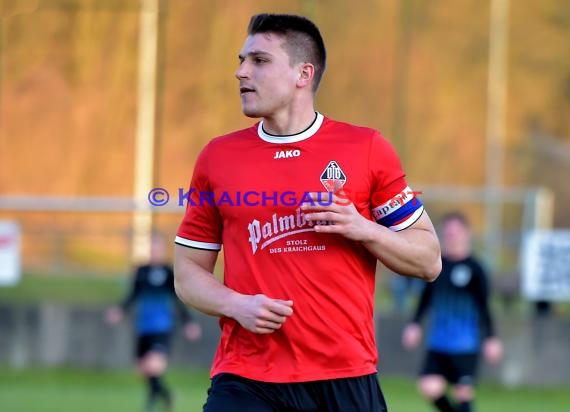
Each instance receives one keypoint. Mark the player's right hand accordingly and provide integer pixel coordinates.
(412, 336)
(114, 315)
(493, 350)
(261, 314)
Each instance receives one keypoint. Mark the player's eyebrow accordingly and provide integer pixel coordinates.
(254, 53)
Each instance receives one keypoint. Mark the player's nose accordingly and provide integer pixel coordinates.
(242, 72)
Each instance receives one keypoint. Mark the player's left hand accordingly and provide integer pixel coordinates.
(493, 350)
(114, 315)
(340, 215)
(192, 331)
(412, 336)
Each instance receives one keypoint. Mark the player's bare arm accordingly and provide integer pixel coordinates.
(414, 251)
(196, 286)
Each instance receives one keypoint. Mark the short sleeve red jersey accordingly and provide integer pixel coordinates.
(245, 195)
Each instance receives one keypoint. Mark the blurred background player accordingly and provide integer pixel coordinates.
(458, 306)
(152, 291)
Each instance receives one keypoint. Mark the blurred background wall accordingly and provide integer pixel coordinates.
(57, 335)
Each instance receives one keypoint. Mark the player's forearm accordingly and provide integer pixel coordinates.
(412, 252)
(127, 302)
(205, 293)
(481, 297)
(423, 303)
(197, 287)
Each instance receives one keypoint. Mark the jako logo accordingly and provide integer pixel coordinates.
(284, 154)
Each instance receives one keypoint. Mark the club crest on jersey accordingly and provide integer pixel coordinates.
(157, 276)
(333, 178)
(285, 154)
(460, 275)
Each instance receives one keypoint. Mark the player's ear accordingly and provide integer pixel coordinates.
(306, 75)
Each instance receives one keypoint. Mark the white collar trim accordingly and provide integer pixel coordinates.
(314, 128)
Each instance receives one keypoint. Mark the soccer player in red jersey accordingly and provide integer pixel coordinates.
(304, 207)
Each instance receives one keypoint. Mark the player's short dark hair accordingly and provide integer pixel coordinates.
(457, 216)
(303, 41)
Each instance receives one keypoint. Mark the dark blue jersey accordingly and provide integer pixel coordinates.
(153, 295)
(457, 303)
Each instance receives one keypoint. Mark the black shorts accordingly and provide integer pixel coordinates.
(455, 368)
(232, 393)
(153, 342)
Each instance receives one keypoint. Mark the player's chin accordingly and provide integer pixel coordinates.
(252, 111)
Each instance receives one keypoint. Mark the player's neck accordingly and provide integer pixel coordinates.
(456, 256)
(289, 122)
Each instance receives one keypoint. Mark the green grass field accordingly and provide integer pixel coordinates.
(65, 289)
(104, 391)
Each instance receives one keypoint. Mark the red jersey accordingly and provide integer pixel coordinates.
(245, 195)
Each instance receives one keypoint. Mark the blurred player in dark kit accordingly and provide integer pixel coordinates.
(152, 293)
(460, 322)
